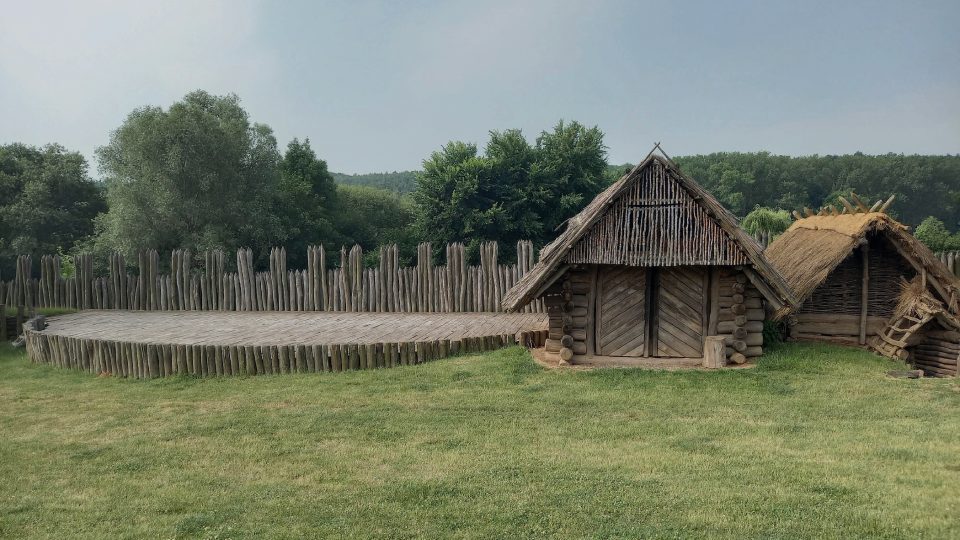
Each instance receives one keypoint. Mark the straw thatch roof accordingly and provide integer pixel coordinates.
(812, 248)
(763, 274)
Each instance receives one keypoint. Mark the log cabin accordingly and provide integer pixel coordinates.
(654, 271)
(862, 279)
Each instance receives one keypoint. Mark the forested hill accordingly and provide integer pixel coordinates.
(401, 182)
(924, 185)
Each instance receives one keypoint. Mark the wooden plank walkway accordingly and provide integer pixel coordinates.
(147, 344)
(286, 328)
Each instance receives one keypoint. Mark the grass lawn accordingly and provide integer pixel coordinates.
(814, 442)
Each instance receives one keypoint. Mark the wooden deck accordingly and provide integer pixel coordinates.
(146, 344)
(286, 328)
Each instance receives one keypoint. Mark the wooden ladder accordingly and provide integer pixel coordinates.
(892, 340)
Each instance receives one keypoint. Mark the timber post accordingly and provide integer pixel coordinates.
(714, 355)
(864, 290)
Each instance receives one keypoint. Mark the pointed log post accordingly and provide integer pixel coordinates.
(864, 289)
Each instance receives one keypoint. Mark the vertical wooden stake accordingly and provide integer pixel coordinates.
(714, 353)
(864, 289)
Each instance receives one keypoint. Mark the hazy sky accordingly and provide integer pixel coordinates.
(379, 85)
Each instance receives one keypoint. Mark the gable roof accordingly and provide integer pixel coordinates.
(812, 247)
(764, 276)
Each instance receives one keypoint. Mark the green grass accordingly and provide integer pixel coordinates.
(814, 442)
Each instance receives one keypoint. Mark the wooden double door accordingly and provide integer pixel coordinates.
(653, 312)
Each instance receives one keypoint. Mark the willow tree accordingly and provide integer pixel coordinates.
(762, 219)
(199, 174)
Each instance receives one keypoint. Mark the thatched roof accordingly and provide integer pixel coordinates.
(768, 281)
(812, 248)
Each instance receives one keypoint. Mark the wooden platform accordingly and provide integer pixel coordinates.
(155, 343)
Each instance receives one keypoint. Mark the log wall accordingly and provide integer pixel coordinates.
(202, 282)
(834, 327)
(739, 314)
(567, 303)
(937, 353)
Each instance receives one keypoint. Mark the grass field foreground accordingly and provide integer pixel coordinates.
(815, 441)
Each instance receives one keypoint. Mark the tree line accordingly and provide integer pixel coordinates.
(201, 174)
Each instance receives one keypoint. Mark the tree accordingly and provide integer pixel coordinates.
(513, 191)
(306, 197)
(452, 202)
(197, 175)
(924, 185)
(571, 162)
(934, 234)
(373, 217)
(763, 219)
(47, 201)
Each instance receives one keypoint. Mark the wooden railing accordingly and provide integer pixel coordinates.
(425, 287)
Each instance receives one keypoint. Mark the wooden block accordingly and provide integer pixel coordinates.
(714, 352)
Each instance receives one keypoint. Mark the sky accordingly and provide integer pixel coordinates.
(378, 86)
